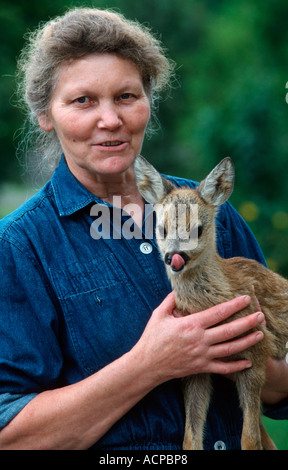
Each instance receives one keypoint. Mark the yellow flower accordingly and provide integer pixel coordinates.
(249, 211)
(280, 220)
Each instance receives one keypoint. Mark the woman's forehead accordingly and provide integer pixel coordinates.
(98, 69)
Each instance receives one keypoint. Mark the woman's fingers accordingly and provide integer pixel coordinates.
(167, 306)
(221, 312)
(236, 346)
(235, 328)
(224, 368)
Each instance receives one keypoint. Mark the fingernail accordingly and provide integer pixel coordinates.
(246, 299)
(259, 335)
(260, 317)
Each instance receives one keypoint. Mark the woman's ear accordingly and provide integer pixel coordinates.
(45, 122)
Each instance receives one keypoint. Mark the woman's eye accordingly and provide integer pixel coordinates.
(126, 96)
(82, 99)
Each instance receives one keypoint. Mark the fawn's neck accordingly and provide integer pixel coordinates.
(201, 287)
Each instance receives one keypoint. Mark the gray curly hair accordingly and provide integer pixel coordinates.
(79, 32)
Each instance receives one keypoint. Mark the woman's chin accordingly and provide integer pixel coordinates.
(115, 164)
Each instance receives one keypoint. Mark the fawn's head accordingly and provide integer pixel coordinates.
(185, 227)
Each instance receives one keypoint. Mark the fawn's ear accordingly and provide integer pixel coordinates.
(152, 186)
(218, 185)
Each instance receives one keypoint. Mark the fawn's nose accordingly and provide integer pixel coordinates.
(177, 261)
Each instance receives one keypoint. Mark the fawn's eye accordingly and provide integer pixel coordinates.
(162, 231)
(200, 230)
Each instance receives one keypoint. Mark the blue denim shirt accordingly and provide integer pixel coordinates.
(70, 304)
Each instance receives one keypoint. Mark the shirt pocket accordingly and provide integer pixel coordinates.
(102, 312)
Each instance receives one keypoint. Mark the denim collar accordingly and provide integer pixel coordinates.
(70, 195)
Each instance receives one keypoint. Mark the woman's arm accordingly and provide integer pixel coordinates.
(76, 416)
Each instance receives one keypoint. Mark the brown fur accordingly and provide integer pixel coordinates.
(208, 280)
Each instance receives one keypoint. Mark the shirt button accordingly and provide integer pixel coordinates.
(146, 248)
(219, 445)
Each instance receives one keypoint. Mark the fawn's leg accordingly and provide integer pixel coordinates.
(197, 391)
(267, 442)
(249, 385)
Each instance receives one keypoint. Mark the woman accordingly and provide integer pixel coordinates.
(91, 346)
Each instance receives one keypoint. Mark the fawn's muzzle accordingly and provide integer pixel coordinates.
(176, 261)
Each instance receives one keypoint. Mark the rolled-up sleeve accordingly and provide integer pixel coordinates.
(30, 355)
(11, 404)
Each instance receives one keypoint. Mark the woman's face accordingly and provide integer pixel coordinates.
(100, 111)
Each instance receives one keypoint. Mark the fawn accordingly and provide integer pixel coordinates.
(201, 279)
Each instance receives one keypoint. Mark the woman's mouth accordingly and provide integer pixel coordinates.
(112, 145)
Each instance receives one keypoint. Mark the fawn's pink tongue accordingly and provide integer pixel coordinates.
(177, 262)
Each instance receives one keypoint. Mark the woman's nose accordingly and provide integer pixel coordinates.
(109, 117)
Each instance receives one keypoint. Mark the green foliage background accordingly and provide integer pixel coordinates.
(229, 99)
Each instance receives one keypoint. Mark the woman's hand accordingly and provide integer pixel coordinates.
(276, 386)
(177, 346)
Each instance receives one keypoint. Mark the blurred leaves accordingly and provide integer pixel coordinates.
(228, 99)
